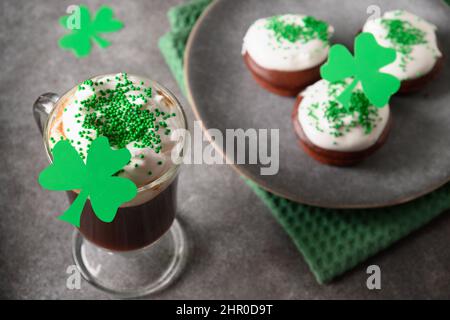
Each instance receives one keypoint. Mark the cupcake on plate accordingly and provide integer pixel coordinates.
(414, 39)
(333, 134)
(284, 53)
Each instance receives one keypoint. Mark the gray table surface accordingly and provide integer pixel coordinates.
(240, 251)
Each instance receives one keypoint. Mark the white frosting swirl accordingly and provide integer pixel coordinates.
(422, 57)
(146, 164)
(277, 53)
(318, 128)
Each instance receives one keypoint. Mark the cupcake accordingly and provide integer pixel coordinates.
(284, 53)
(334, 134)
(414, 39)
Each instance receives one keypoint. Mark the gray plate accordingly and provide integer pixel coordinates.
(414, 161)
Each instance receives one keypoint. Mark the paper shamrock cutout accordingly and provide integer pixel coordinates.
(94, 179)
(79, 40)
(363, 67)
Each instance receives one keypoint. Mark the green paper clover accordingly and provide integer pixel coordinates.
(364, 66)
(79, 40)
(94, 179)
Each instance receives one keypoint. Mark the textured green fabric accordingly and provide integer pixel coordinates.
(182, 19)
(331, 241)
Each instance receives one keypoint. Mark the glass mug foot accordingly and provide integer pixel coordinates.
(135, 273)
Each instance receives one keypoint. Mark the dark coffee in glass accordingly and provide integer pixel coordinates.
(133, 227)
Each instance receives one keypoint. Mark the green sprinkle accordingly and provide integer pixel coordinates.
(402, 33)
(115, 115)
(311, 29)
(359, 104)
(403, 37)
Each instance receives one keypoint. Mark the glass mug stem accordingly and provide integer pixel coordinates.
(144, 248)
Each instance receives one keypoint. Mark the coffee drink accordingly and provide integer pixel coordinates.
(137, 114)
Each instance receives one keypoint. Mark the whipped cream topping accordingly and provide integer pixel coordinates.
(412, 37)
(329, 126)
(130, 112)
(288, 42)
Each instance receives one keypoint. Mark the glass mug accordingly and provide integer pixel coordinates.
(144, 248)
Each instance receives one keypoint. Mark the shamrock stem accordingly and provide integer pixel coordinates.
(345, 96)
(73, 214)
(100, 41)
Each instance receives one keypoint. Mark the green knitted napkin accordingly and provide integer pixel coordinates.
(331, 241)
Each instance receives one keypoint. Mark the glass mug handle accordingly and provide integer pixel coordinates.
(42, 108)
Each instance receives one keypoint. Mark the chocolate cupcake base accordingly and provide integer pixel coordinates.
(283, 83)
(332, 157)
(414, 85)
